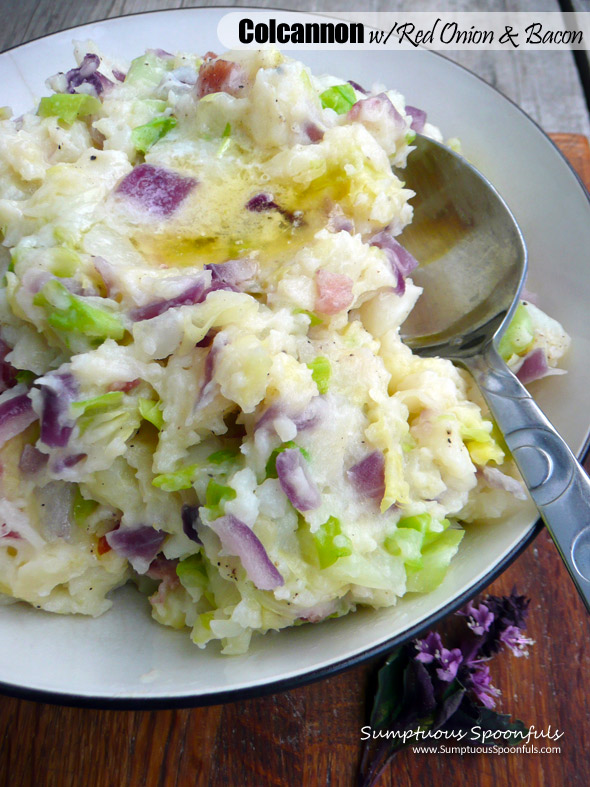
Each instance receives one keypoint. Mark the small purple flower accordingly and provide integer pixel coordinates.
(480, 682)
(450, 661)
(513, 638)
(479, 618)
(429, 648)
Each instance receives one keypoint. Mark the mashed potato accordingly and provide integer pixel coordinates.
(204, 388)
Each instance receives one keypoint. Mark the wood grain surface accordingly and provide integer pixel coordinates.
(311, 736)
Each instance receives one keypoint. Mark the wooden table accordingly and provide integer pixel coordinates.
(311, 736)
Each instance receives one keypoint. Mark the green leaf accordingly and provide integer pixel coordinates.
(70, 314)
(144, 137)
(321, 372)
(340, 98)
(173, 482)
(330, 543)
(388, 697)
(150, 411)
(271, 465)
(216, 496)
(68, 106)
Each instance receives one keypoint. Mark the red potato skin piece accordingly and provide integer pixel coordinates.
(221, 76)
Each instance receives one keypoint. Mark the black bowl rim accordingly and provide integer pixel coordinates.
(285, 684)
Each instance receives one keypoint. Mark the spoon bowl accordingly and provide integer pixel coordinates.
(473, 263)
(473, 258)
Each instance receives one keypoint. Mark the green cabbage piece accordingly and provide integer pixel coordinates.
(192, 574)
(150, 411)
(518, 337)
(147, 69)
(340, 98)
(144, 137)
(180, 479)
(68, 106)
(330, 543)
(65, 262)
(216, 496)
(313, 317)
(223, 456)
(110, 399)
(82, 508)
(226, 140)
(321, 371)
(71, 315)
(426, 546)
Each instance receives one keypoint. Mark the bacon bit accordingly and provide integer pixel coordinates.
(334, 292)
(6, 533)
(125, 387)
(221, 76)
(210, 56)
(162, 568)
(103, 546)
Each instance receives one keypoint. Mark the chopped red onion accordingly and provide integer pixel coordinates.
(107, 273)
(357, 87)
(139, 545)
(313, 132)
(401, 261)
(368, 476)
(57, 392)
(161, 53)
(334, 292)
(119, 75)
(55, 509)
(234, 273)
(311, 415)
(66, 462)
(190, 521)
(15, 415)
(155, 189)
(87, 74)
(31, 460)
(296, 481)
(195, 293)
(7, 371)
(418, 118)
(222, 76)
(208, 386)
(533, 367)
(239, 540)
(374, 109)
(499, 480)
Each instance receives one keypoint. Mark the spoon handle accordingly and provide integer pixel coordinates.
(557, 483)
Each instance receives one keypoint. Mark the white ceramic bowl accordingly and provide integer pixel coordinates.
(124, 659)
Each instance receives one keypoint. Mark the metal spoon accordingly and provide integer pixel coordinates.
(473, 263)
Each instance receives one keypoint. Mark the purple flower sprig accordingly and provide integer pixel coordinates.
(427, 686)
